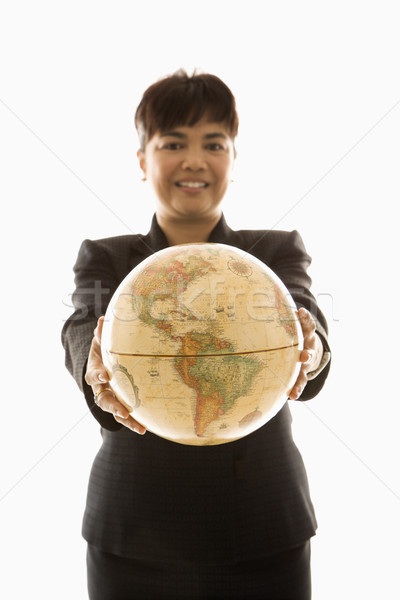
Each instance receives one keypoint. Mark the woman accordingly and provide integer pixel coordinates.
(165, 520)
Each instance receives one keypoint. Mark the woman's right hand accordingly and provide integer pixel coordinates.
(97, 377)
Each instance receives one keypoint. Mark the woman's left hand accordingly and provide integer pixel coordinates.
(310, 356)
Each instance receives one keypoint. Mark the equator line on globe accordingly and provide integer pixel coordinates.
(202, 343)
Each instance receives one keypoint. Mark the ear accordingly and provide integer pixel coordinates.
(142, 161)
(234, 159)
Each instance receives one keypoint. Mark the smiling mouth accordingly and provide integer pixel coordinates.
(192, 184)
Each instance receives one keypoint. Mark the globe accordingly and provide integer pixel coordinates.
(201, 343)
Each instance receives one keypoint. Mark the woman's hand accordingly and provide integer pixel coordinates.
(97, 377)
(310, 356)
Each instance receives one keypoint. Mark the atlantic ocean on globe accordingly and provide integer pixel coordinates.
(202, 343)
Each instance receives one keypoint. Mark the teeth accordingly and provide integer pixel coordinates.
(192, 184)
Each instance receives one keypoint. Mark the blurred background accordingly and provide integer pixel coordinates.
(318, 151)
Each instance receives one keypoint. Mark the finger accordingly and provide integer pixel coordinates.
(99, 329)
(306, 356)
(96, 374)
(307, 321)
(109, 403)
(304, 315)
(299, 386)
(132, 424)
(96, 371)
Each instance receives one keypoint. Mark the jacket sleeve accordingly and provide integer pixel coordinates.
(290, 263)
(95, 283)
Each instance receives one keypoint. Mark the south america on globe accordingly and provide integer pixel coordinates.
(202, 343)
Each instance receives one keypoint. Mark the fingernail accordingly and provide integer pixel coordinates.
(136, 430)
(101, 377)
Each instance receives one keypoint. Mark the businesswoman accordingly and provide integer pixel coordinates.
(164, 520)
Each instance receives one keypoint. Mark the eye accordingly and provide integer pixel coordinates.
(214, 147)
(172, 146)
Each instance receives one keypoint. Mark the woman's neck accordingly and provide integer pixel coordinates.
(187, 232)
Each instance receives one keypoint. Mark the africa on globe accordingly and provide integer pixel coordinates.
(202, 343)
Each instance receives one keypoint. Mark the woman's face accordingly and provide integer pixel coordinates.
(189, 169)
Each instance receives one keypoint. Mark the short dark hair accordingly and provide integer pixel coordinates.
(182, 99)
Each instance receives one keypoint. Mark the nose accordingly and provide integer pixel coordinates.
(194, 160)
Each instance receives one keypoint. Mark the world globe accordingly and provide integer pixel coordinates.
(201, 343)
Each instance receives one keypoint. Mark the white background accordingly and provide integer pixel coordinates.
(319, 103)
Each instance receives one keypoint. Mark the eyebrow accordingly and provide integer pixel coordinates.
(180, 135)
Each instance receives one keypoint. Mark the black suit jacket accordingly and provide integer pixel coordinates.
(153, 499)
